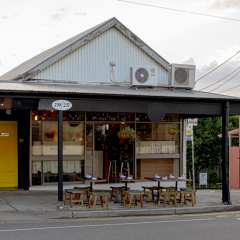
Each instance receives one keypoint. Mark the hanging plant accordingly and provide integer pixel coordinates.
(173, 131)
(129, 134)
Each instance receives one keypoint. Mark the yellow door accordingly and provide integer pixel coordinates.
(8, 154)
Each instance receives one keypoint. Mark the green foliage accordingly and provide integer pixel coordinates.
(213, 177)
(207, 144)
(131, 132)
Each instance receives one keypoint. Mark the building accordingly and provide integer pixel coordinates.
(91, 72)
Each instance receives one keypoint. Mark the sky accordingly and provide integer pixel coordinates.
(29, 27)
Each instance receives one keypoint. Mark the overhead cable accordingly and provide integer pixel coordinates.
(225, 82)
(219, 80)
(218, 66)
(229, 89)
(173, 9)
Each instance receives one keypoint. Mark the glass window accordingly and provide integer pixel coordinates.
(45, 138)
(71, 170)
(158, 138)
(97, 116)
(36, 173)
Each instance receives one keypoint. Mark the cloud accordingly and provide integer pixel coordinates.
(189, 60)
(225, 4)
(5, 17)
(58, 17)
(81, 14)
(0, 63)
(62, 9)
(229, 68)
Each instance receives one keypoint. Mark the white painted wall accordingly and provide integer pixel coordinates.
(90, 62)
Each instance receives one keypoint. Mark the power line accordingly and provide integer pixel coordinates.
(218, 66)
(225, 82)
(219, 80)
(181, 10)
(229, 89)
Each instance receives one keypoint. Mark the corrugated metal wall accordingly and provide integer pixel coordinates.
(90, 63)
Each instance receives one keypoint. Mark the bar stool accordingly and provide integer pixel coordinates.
(168, 194)
(150, 190)
(96, 194)
(77, 199)
(118, 189)
(135, 194)
(128, 168)
(188, 196)
(194, 195)
(84, 189)
(112, 169)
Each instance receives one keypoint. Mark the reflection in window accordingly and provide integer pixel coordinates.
(157, 138)
(71, 170)
(36, 172)
(45, 138)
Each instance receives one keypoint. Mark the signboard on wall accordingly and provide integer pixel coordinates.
(192, 121)
(203, 179)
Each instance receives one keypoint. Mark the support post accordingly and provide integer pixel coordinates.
(225, 155)
(193, 167)
(60, 159)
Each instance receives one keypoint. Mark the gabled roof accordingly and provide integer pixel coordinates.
(36, 64)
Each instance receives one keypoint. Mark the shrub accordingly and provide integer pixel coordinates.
(213, 177)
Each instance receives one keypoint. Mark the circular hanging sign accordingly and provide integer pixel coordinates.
(8, 112)
(61, 105)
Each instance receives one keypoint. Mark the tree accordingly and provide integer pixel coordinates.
(207, 144)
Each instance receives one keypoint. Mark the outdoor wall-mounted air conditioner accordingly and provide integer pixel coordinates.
(143, 76)
(181, 76)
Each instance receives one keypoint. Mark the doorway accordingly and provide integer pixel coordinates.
(9, 154)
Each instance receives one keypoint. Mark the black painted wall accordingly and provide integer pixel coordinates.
(23, 119)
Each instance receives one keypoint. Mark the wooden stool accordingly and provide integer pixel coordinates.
(168, 194)
(96, 194)
(151, 190)
(84, 189)
(118, 189)
(188, 196)
(194, 194)
(77, 199)
(135, 194)
(170, 188)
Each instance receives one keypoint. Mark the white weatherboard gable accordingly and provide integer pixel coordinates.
(91, 61)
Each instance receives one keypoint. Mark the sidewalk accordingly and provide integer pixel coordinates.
(34, 205)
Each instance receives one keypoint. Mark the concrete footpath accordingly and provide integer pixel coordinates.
(19, 205)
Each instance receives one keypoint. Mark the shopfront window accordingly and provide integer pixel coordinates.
(159, 138)
(110, 117)
(45, 136)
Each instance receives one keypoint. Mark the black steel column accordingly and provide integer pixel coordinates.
(225, 155)
(60, 157)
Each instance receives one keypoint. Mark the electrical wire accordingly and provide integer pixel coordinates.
(225, 82)
(181, 11)
(219, 80)
(229, 89)
(218, 66)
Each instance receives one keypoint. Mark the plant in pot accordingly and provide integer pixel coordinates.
(129, 134)
(173, 131)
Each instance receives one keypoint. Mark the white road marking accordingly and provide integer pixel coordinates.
(102, 225)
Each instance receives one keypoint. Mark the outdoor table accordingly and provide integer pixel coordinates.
(85, 179)
(125, 180)
(158, 180)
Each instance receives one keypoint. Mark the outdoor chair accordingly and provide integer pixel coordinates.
(170, 195)
(194, 194)
(77, 199)
(150, 191)
(84, 189)
(118, 189)
(96, 194)
(188, 195)
(135, 194)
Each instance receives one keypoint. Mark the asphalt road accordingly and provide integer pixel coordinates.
(200, 226)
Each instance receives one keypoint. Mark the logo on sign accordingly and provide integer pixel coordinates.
(62, 105)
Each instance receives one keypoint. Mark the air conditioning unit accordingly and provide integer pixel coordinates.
(143, 76)
(181, 76)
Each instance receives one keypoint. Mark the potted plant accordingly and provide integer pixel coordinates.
(129, 134)
(173, 131)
